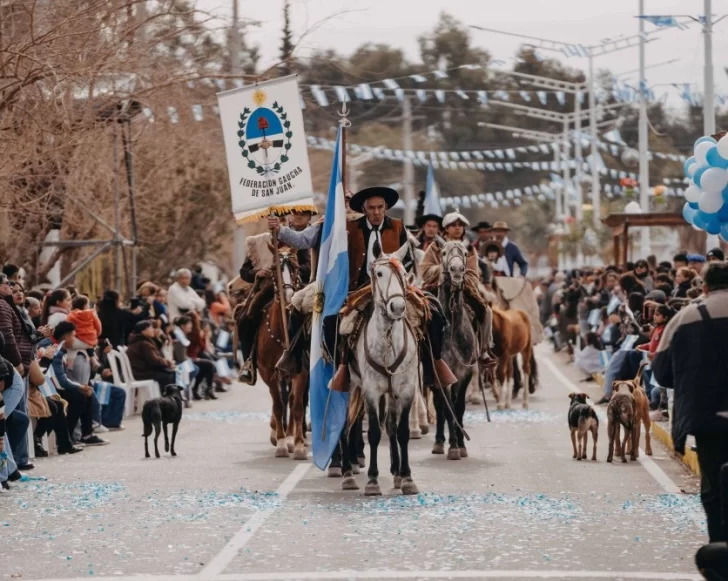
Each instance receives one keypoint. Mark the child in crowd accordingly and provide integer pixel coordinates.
(588, 359)
(88, 329)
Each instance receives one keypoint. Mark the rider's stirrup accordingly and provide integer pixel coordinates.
(248, 373)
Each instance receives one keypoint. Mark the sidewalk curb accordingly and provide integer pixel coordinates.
(690, 459)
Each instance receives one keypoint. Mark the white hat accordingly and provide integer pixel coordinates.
(453, 217)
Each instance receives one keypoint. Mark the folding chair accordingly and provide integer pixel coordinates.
(149, 386)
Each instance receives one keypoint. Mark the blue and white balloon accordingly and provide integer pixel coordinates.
(714, 158)
(723, 147)
(704, 139)
(724, 232)
(689, 162)
(698, 175)
(692, 193)
(713, 226)
(689, 213)
(701, 151)
(710, 202)
(714, 179)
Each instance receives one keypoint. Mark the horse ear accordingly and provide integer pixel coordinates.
(401, 253)
(376, 249)
(410, 278)
(440, 241)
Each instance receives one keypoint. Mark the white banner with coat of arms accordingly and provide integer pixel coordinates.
(266, 149)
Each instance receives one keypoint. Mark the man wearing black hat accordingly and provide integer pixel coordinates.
(363, 234)
(715, 255)
(429, 225)
(483, 230)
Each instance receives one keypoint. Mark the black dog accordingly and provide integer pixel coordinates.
(159, 412)
(582, 420)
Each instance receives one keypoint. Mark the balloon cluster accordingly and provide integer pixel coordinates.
(706, 207)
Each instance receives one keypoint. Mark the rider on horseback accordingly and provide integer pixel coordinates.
(454, 224)
(374, 228)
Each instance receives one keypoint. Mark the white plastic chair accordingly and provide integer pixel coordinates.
(151, 387)
(141, 390)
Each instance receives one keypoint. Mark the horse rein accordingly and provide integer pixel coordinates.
(376, 289)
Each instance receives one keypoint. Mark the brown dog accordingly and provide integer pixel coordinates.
(642, 412)
(621, 412)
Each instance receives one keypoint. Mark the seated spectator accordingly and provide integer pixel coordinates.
(160, 306)
(220, 308)
(34, 308)
(196, 351)
(50, 416)
(680, 260)
(79, 396)
(588, 359)
(13, 272)
(182, 298)
(147, 361)
(10, 395)
(696, 262)
(642, 273)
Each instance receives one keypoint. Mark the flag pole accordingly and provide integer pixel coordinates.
(344, 122)
(281, 290)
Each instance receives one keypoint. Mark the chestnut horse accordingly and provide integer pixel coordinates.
(288, 436)
(512, 336)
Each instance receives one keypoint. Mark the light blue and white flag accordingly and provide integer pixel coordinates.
(328, 408)
(49, 387)
(432, 195)
(103, 392)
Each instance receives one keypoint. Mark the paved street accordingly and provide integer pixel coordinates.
(518, 508)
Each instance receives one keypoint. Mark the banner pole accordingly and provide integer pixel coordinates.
(345, 123)
(279, 285)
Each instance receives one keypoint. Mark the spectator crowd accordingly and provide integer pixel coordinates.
(62, 354)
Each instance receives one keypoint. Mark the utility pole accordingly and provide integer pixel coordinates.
(234, 50)
(644, 167)
(566, 174)
(709, 98)
(577, 156)
(595, 186)
(408, 170)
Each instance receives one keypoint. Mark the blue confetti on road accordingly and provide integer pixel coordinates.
(227, 417)
(511, 417)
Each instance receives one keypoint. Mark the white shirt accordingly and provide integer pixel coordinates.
(502, 265)
(505, 242)
(375, 235)
(183, 298)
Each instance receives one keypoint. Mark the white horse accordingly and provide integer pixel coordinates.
(387, 361)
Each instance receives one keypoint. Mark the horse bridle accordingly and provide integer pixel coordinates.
(460, 252)
(394, 265)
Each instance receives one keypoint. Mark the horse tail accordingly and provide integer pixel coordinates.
(356, 405)
(533, 375)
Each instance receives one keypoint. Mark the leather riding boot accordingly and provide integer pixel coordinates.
(444, 373)
(287, 363)
(340, 381)
(247, 373)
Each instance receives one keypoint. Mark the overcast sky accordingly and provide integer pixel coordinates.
(400, 22)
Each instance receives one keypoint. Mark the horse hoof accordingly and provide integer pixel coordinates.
(415, 434)
(425, 429)
(463, 452)
(438, 448)
(648, 451)
(334, 472)
(409, 487)
(397, 482)
(355, 469)
(282, 451)
(273, 439)
(501, 406)
(372, 489)
(508, 405)
(362, 461)
(289, 445)
(349, 483)
(300, 453)
(579, 458)
(453, 454)
(525, 405)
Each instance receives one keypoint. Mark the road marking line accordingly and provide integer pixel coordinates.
(647, 463)
(218, 563)
(429, 574)
(465, 574)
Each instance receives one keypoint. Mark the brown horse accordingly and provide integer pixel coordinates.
(512, 336)
(269, 347)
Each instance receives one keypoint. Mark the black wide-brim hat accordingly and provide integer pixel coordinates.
(390, 196)
(482, 226)
(426, 218)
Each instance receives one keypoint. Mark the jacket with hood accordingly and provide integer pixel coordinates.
(145, 358)
(88, 325)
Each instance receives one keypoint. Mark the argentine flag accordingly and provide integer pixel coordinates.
(332, 279)
(432, 195)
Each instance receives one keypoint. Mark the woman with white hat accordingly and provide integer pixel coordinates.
(454, 225)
